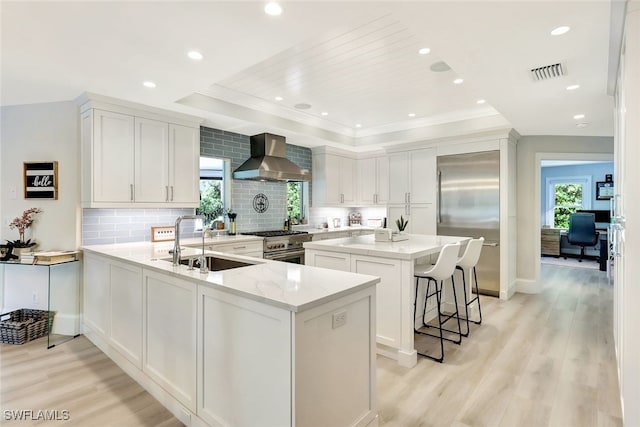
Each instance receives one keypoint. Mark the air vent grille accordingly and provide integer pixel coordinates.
(547, 72)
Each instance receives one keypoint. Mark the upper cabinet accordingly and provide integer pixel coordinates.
(334, 179)
(373, 181)
(138, 158)
(412, 177)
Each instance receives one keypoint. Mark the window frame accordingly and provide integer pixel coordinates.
(587, 194)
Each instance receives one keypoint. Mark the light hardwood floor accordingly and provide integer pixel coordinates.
(536, 360)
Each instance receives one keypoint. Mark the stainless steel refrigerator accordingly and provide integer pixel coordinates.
(469, 205)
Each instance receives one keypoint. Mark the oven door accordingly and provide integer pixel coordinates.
(295, 256)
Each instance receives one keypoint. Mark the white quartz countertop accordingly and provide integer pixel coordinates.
(222, 239)
(290, 286)
(312, 230)
(416, 246)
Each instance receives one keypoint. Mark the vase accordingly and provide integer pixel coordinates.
(20, 251)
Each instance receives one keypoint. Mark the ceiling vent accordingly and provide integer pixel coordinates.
(547, 72)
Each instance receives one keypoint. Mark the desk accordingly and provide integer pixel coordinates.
(53, 287)
(394, 263)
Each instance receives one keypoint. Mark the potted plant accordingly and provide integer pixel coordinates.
(401, 224)
(22, 223)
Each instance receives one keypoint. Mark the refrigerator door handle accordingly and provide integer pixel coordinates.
(439, 197)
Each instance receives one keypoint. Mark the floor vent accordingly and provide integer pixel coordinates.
(547, 72)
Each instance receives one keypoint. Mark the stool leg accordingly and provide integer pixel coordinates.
(426, 298)
(441, 358)
(415, 304)
(457, 314)
(475, 277)
(466, 302)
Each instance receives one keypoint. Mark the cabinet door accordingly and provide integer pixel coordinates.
(347, 180)
(366, 181)
(125, 307)
(423, 176)
(96, 294)
(184, 165)
(422, 219)
(382, 180)
(330, 260)
(398, 178)
(332, 180)
(113, 157)
(170, 335)
(151, 159)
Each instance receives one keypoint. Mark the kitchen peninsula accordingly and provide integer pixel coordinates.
(394, 263)
(267, 343)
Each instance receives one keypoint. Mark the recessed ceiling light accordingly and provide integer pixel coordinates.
(358, 125)
(480, 101)
(424, 51)
(195, 55)
(412, 114)
(324, 113)
(578, 116)
(302, 106)
(560, 30)
(278, 98)
(573, 87)
(582, 125)
(458, 81)
(273, 9)
(149, 84)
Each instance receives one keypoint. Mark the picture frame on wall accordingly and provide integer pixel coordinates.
(604, 190)
(41, 180)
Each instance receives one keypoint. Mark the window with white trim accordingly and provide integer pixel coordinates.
(566, 195)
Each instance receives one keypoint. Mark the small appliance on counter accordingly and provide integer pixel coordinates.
(334, 222)
(355, 218)
(375, 222)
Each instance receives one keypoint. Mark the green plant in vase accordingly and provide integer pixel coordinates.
(401, 224)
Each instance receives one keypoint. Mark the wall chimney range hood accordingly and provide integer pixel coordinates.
(268, 161)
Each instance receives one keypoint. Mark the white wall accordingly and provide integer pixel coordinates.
(531, 149)
(41, 132)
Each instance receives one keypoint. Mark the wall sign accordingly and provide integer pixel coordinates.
(260, 203)
(41, 180)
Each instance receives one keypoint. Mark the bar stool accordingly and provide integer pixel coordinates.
(438, 273)
(466, 262)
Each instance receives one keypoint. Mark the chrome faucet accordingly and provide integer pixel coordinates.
(176, 245)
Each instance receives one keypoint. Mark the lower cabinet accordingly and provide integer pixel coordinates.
(218, 359)
(170, 338)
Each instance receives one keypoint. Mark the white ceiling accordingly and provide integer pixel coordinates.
(356, 60)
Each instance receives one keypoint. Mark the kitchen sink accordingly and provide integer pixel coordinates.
(214, 263)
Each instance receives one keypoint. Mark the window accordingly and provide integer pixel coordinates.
(214, 188)
(566, 195)
(295, 208)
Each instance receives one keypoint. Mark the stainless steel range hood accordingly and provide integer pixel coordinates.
(268, 161)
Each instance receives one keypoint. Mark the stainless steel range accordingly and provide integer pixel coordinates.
(282, 245)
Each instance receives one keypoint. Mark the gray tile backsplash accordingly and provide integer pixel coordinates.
(106, 226)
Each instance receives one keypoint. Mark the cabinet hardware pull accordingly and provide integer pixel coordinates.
(239, 247)
(439, 196)
(172, 193)
(166, 193)
(409, 198)
(131, 186)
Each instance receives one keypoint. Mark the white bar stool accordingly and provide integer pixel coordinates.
(467, 262)
(443, 269)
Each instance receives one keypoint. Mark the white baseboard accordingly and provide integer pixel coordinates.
(527, 286)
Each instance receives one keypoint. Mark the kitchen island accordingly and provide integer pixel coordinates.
(264, 343)
(394, 263)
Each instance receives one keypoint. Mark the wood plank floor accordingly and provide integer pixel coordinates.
(537, 360)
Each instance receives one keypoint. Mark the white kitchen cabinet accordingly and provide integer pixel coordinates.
(421, 217)
(332, 260)
(96, 295)
(412, 177)
(138, 158)
(170, 335)
(125, 311)
(373, 181)
(334, 178)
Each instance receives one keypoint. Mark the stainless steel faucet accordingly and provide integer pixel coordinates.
(176, 245)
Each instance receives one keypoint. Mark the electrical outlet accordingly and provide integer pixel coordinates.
(339, 318)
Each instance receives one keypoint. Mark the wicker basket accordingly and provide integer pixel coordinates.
(21, 326)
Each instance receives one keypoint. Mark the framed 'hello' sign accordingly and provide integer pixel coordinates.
(41, 180)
